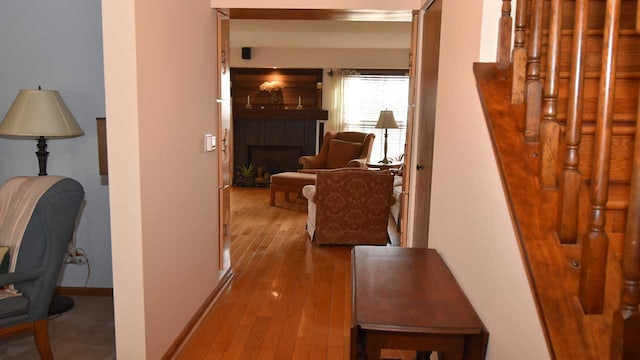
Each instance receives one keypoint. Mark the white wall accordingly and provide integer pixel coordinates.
(160, 67)
(470, 223)
(323, 58)
(321, 34)
(58, 45)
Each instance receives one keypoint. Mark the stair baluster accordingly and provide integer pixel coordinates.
(504, 36)
(519, 54)
(596, 242)
(533, 88)
(549, 128)
(625, 328)
(571, 179)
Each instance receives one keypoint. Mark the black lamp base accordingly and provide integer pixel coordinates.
(42, 155)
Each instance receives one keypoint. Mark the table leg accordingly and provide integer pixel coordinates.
(272, 201)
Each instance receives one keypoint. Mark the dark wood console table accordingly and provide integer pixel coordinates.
(405, 298)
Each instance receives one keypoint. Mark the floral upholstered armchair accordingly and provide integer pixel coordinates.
(339, 150)
(350, 206)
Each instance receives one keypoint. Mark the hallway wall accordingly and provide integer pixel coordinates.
(470, 222)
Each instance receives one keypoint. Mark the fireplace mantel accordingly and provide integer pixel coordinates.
(281, 114)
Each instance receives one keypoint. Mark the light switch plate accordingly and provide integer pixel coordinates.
(209, 142)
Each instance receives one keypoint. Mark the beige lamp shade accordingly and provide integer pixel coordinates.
(386, 120)
(36, 113)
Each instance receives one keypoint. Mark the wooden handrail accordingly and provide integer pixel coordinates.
(596, 242)
(549, 128)
(571, 179)
(533, 86)
(519, 54)
(504, 36)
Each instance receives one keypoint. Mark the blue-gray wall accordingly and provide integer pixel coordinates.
(58, 45)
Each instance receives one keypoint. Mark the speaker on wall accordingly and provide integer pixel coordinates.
(246, 53)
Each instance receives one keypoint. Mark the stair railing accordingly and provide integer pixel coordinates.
(596, 242)
(549, 128)
(571, 178)
(504, 36)
(533, 86)
(625, 328)
(519, 54)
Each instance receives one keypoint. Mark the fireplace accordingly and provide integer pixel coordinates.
(275, 139)
(275, 159)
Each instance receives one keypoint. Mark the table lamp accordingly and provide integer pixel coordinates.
(41, 115)
(386, 121)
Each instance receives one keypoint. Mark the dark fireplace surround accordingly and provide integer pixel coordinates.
(275, 139)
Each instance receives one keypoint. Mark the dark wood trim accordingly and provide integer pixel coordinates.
(268, 114)
(101, 124)
(83, 291)
(322, 14)
(282, 71)
(212, 298)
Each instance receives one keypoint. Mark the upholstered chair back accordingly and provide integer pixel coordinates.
(353, 206)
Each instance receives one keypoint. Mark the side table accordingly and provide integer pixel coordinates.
(381, 166)
(406, 298)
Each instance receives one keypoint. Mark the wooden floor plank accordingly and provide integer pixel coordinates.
(289, 298)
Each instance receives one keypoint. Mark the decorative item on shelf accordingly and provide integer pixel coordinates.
(248, 105)
(299, 103)
(41, 115)
(386, 121)
(274, 88)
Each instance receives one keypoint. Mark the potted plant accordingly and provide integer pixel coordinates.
(246, 175)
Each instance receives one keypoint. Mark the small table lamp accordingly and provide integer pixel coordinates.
(42, 115)
(386, 121)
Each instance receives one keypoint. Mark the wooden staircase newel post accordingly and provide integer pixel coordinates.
(519, 54)
(549, 128)
(596, 242)
(571, 178)
(533, 87)
(504, 36)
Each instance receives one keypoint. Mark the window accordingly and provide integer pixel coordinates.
(364, 97)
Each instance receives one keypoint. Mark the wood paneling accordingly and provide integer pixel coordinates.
(303, 83)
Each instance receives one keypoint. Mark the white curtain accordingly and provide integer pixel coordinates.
(363, 97)
(336, 112)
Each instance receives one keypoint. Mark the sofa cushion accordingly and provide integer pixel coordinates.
(341, 152)
(13, 306)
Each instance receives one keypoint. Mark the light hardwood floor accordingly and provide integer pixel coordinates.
(289, 298)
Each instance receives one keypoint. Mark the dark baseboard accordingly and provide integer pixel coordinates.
(83, 291)
(177, 343)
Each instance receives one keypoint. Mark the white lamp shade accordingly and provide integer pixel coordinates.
(37, 113)
(386, 120)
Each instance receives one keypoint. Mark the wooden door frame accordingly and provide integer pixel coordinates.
(368, 15)
(225, 150)
(422, 116)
